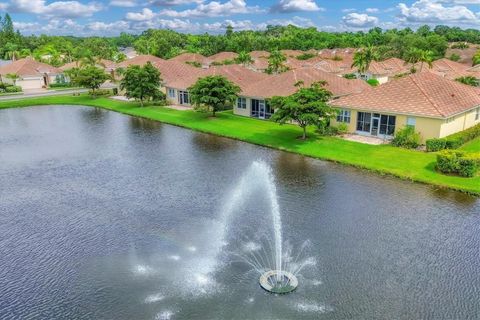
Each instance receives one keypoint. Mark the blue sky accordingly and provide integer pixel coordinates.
(110, 17)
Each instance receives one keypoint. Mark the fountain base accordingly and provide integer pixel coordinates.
(280, 282)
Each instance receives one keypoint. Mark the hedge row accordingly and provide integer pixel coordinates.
(453, 141)
(11, 89)
(458, 162)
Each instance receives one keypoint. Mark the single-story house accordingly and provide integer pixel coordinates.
(191, 58)
(221, 57)
(32, 74)
(253, 100)
(140, 60)
(179, 77)
(452, 70)
(108, 65)
(434, 105)
(384, 71)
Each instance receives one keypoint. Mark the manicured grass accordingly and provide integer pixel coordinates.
(472, 146)
(385, 159)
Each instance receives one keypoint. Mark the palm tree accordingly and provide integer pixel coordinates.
(276, 62)
(363, 58)
(244, 58)
(415, 55)
(14, 77)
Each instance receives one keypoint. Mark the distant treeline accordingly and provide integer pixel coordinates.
(57, 50)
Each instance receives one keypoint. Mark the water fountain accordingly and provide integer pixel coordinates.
(274, 274)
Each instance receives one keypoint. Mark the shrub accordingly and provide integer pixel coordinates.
(468, 165)
(435, 144)
(61, 85)
(373, 82)
(13, 89)
(327, 130)
(455, 140)
(350, 76)
(195, 64)
(454, 57)
(448, 161)
(407, 138)
(460, 45)
(100, 93)
(342, 128)
(306, 56)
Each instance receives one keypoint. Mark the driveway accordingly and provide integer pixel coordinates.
(41, 93)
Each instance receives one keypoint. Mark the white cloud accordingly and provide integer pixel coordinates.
(296, 5)
(169, 3)
(213, 9)
(61, 9)
(124, 3)
(348, 10)
(145, 15)
(433, 11)
(372, 10)
(359, 20)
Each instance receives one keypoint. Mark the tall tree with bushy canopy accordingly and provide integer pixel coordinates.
(214, 93)
(141, 83)
(307, 106)
(90, 77)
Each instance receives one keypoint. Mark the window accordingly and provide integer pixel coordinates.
(344, 116)
(183, 97)
(171, 93)
(363, 121)
(387, 125)
(242, 103)
(477, 114)
(411, 121)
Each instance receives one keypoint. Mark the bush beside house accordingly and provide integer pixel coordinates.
(453, 141)
(458, 162)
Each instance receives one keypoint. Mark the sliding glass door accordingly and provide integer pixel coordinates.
(376, 124)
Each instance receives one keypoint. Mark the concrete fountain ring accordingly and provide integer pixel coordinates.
(288, 281)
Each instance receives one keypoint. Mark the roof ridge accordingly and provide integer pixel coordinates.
(427, 96)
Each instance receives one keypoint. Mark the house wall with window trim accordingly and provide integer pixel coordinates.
(427, 127)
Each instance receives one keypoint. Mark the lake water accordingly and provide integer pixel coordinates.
(105, 216)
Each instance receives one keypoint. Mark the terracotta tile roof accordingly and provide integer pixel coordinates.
(292, 53)
(179, 75)
(239, 75)
(331, 66)
(28, 67)
(189, 57)
(284, 84)
(389, 67)
(421, 94)
(466, 55)
(222, 56)
(106, 64)
(259, 54)
(139, 61)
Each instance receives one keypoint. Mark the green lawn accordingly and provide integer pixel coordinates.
(385, 159)
(472, 146)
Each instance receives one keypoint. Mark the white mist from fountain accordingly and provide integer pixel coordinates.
(274, 278)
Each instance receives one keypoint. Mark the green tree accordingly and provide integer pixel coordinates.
(14, 77)
(476, 58)
(90, 77)
(307, 106)
(469, 80)
(363, 58)
(415, 55)
(276, 62)
(141, 83)
(244, 58)
(214, 93)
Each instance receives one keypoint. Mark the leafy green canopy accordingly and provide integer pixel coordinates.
(142, 83)
(214, 93)
(89, 76)
(307, 106)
